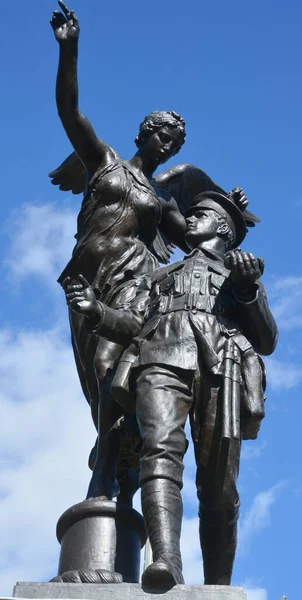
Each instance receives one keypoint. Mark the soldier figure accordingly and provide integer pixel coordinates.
(206, 320)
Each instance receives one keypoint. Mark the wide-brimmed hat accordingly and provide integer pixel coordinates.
(225, 208)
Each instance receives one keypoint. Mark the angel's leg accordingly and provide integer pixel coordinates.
(103, 481)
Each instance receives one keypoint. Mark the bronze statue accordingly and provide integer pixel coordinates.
(127, 223)
(197, 329)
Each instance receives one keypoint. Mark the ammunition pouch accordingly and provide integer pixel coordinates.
(216, 305)
(253, 397)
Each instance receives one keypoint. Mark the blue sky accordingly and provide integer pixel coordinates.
(233, 71)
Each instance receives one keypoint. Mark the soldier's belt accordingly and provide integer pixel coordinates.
(195, 302)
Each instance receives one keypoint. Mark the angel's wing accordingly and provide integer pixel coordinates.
(71, 175)
(185, 181)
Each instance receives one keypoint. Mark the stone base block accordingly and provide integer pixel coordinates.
(125, 591)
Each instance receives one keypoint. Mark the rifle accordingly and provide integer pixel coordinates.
(231, 393)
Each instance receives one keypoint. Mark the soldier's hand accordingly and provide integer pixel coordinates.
(81, 298)
(245, 269)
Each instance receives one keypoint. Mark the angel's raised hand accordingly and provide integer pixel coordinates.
(65, 24)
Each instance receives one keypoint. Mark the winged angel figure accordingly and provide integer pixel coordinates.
(129, 220)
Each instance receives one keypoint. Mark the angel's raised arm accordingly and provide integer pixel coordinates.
(92, 151)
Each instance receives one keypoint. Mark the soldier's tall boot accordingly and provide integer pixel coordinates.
(218, 544)
(162, 510)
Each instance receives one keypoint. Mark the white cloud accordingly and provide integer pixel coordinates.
(252, 449)
(258, 516)
(42, 238)
(256, 593)
(285, 295)
(282, 375)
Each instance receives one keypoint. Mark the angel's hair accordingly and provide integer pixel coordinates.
(155, 121)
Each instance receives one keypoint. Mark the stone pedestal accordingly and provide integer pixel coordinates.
(125, 591)
(100, 541)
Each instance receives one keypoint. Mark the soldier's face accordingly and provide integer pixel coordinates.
(200, 226)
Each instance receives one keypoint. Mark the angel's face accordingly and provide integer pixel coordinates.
(202, 225)
(162, 145)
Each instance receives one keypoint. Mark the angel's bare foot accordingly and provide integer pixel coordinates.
(88, 576)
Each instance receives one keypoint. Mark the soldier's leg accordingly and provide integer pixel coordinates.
(164, 399)
(217, 472)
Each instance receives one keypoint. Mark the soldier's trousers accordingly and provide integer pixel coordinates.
(165, 398)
